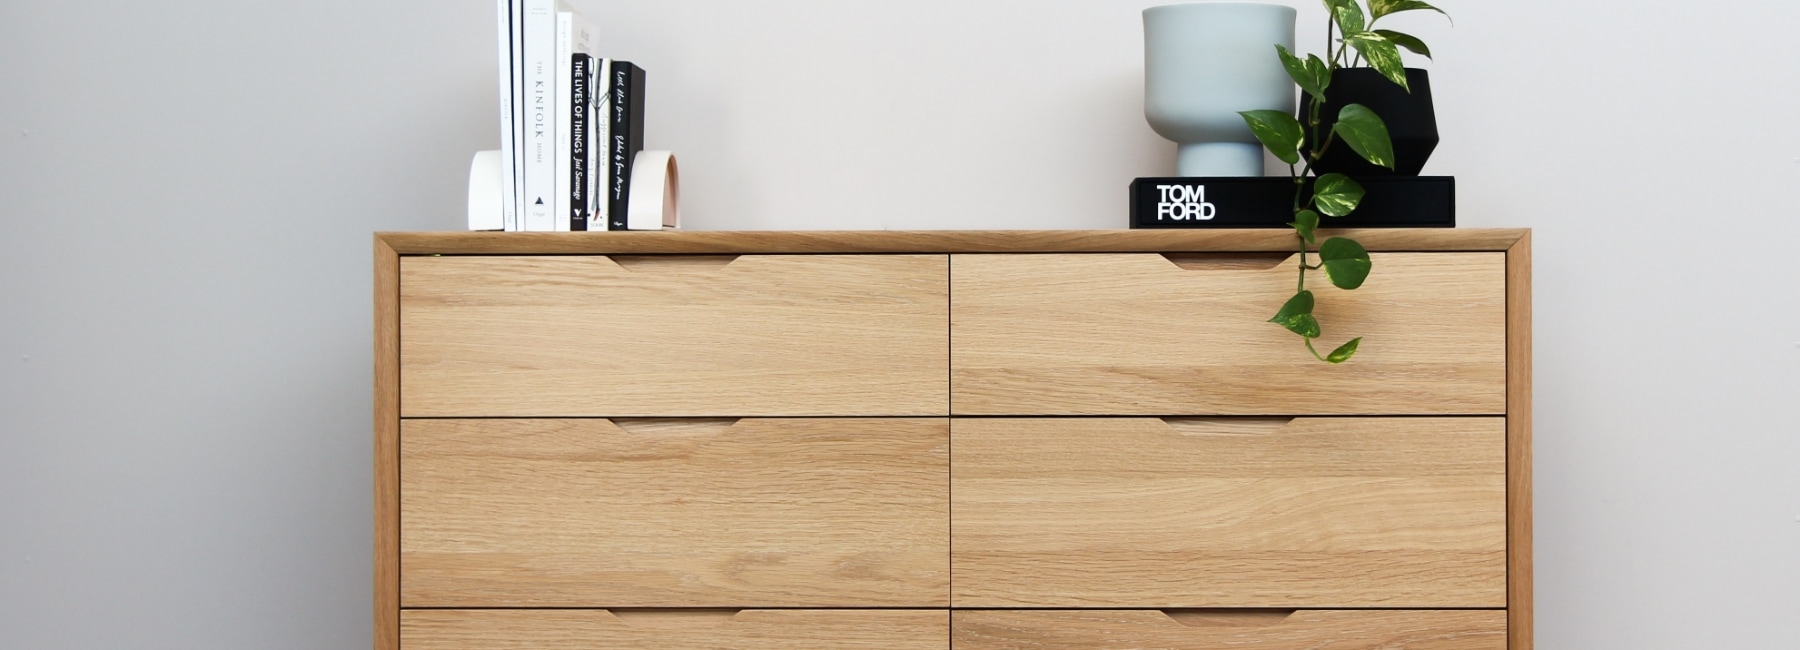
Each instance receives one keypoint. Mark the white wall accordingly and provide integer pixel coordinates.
(187, 191)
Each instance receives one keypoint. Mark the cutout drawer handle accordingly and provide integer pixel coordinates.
(1229, 617)
(673, 618)
(655, 263)
(1243, 426)
(665, 426)
(1227, 261)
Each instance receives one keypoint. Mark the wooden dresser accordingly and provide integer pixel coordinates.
(914, 440)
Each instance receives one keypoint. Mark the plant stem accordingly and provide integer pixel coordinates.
(1330, 33)
(1302, 241)
(1315, 353)
(1329, 138)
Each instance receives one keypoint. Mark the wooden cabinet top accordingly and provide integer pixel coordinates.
(943, 241)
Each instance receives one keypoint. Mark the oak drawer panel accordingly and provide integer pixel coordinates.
(791, 629)
(762, 335)
(1177, 630)
(1312, 513)
(1138, 334)
(756, 513)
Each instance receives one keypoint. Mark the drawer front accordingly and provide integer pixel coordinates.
(1312, 513)
(789, 629)
(598, 513)
(1142, 335)
(1177, 630)
(674, 336)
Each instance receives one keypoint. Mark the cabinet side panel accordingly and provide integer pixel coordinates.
(1518, 443)
(387, 447)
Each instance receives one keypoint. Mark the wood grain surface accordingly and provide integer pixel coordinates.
(1518, 443)
(761, 513)
(816, 335)
(955, 241)
(1303, 630)
(1316, 513)
(1137, 334)
(387, 447)
(792, 629)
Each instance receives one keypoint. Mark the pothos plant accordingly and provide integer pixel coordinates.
(1351, 39)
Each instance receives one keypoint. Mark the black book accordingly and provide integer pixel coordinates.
(627, 137)
(580, 105)
(1268, 202)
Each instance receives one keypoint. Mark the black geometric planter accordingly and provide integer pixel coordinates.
(1411, 122)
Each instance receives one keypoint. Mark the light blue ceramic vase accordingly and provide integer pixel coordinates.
(1204, 62)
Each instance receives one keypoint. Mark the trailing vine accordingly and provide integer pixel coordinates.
(1350, 40)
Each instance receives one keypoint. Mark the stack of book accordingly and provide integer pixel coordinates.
(571, 123)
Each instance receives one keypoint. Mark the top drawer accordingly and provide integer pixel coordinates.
(1141, 334)
(674, 336)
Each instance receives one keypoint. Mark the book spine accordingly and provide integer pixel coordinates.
(559, 158)
(509, 191)
(516, 70)
(627, 137)
(540, 113)
(577, 197)
(600, 148)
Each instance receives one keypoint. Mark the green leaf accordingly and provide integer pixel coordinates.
(1346, 263)
(1304, 325)
(1407, 41)
(1366, 134)
(1348, 15)
(1311, 75)
(1344, 352)
(1278, 131)
(1379, 8)
(1337, 195)
(1301, 303)
(1382, 54)
(1321, 70)
(1297, 316)
(1306, 222)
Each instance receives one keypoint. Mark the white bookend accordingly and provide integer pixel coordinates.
(655, 192)
(509, 191)
(486, 209)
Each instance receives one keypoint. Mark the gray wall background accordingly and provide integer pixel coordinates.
(187, 190)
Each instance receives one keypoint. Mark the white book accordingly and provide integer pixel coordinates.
(518, 39)
(559, 158)
(600, 147)
(540, 114)
(509, 191)
(573, 34)
(513, 72)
